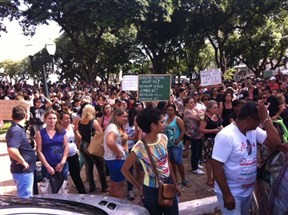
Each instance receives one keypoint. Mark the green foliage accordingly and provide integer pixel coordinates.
(103, 37)
(5, 128)
(229, 74)
(8, 9)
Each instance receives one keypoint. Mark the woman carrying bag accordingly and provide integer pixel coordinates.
(85, 127)
(155, 162)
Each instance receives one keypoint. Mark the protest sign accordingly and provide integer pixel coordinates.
(154, 87)
(130, 82)
(210, 77)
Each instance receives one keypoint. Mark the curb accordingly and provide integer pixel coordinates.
(199, 206)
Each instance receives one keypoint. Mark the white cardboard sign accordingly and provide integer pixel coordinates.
(210, 77)
(130, 83)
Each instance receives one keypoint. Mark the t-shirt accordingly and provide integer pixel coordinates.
(232, 148)
(72, 148)
(16, 138)
(180, 105)
(108, 153)
(160, 157)
(191, 125)
(130, 130)
(37, 115)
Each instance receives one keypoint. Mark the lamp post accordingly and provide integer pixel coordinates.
(32, 50)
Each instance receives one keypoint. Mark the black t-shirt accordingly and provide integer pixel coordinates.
(16, 138)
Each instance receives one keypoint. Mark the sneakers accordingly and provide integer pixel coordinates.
(200, 167)
(185, 183)
(131, 195)
(198, 172)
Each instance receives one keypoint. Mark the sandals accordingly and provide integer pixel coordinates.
(210, 183)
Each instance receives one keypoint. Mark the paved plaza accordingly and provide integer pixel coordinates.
(197, 189)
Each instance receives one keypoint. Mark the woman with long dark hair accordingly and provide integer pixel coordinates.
(151, 121)
(73, 158)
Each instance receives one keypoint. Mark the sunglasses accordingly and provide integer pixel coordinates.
(249, 147)
(264, 97)
(195, 94)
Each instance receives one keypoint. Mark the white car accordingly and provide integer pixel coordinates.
(76, 204)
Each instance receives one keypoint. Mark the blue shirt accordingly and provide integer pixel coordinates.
(16, 138)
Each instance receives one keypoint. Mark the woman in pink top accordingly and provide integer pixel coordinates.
(107, 115)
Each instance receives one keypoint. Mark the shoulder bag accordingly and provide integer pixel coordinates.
(167, 192)
(95, 146)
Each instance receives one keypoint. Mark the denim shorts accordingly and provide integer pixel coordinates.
(175, 154)
(114, 167)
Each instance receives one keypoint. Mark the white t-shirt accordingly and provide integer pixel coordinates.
(232, 149)
(108, 153)
(72, 148)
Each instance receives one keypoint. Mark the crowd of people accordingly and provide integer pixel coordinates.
(215, 122)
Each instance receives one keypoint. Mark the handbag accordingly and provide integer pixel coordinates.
(56, 181)
(96, 146)
(167, 192)
(45, 187)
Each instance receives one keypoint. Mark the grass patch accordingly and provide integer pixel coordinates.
(5, 127)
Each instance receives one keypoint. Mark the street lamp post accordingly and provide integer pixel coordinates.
(51, 49)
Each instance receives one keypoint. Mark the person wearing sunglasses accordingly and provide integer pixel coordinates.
(234, 156)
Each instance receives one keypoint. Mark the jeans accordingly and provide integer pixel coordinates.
(100, 165)
(242, 206)
(196, 151)
(74, 169)
(150, 203)
(24, 183)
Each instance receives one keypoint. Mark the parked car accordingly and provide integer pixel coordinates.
(271, 189)
(69, 204)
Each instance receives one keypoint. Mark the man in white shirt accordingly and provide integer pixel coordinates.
(234, 157)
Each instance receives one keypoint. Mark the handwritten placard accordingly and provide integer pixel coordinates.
(210, 77)
(6, 107)
(130, 82)
(154, 87)
(269, 73)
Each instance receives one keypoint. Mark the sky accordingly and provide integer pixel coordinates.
(12, 43)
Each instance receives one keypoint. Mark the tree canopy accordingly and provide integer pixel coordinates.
(103, 37)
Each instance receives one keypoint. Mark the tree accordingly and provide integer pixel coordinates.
(157, 32)
(17, 70)
(8, 9)
(263, 42)
(86, 22)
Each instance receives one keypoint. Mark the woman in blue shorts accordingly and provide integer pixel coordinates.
(116, 150)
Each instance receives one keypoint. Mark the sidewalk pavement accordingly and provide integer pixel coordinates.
(196, 199)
